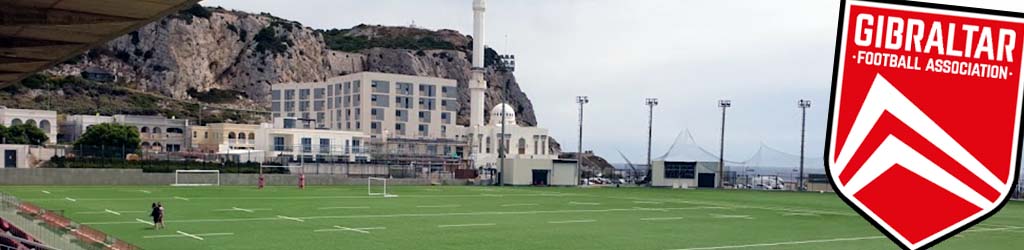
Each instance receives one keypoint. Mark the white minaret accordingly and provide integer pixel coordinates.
(477, 85)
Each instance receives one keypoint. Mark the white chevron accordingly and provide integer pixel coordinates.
(893, 151)
(884, 97)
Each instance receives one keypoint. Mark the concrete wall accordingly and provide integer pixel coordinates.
(520, 172)
(62, 176)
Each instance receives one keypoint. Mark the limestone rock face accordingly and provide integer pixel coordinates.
(232, 50)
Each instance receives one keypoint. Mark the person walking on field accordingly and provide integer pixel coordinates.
(160, 215)
(155, 212)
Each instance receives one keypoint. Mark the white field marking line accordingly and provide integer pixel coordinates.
(467, 225)
(584, 203)
(662, 218)
(179, 235)
(647, 202)
(146, 191)
(341, 228)
(242, 209)
(112, 212)
(742, 206)
(299, 197)
(189, 235)
(802, 214)
(491, 195)
(180, 198)
(570, 221)
(651, 209)
(143, 221)
(69, 198)
(370, 216)
(520, 204)
(731, 216)
(437, 206)
(104, 212)
(46, 192)
(329, 208)
(290, 218)
(784, 243)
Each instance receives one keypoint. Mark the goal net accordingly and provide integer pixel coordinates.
(194, 178)
(376, 186)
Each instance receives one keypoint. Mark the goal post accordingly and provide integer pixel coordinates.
(196, 178)
(376, 186)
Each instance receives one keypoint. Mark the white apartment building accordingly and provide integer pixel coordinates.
(379, 104)
(45, 120)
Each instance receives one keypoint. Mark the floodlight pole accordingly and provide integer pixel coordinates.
(503, 139)
(804, 105)
(651, 102)
(724, 104)
(579, 150)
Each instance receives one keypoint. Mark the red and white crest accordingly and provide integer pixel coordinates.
(924, 127)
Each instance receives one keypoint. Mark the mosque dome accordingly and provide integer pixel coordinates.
(496, 113)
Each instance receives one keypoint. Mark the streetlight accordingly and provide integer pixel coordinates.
(724, 104)
(804, 105)
(579, 150)
(651, 102)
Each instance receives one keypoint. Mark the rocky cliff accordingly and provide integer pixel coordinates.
(205, 50)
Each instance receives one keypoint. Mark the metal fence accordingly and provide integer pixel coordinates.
(29, 226)
(353, 162)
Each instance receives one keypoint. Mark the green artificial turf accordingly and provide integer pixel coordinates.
(464, 217)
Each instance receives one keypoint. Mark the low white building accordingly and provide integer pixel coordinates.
(311, 145)
(45, 120)
(684, 174)
(539, 172)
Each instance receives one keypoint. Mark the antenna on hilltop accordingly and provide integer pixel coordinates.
(413, 24)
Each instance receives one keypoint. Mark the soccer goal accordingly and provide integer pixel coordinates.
(195, 178)
(378, 186)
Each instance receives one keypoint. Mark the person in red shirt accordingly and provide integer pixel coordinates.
(260, 182)
(302, 181)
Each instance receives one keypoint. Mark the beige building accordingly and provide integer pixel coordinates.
(218, 137)
(45, 120)
(544, 172)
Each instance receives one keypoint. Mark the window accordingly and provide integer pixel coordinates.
(303, 94)
(403, 88)
(275, 95)
(423, 130)
(377, 114)
(424, 116)
(401, 115)
(278, 143)
(289, 94)
(307, 145)
(427, 90)
(355, 87)
(522, 146)
(318, 93)
(275, 106)
(380, 86)
(680, 170)
(488, 142)
(325, 146)
(380, 100)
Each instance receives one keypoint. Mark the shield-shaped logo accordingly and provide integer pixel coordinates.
(924, 126)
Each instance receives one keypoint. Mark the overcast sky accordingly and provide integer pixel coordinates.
(763, 55)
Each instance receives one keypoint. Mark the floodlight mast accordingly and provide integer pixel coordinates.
(579, 150)
(804, 105)
(724, 104)
(651, 102)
